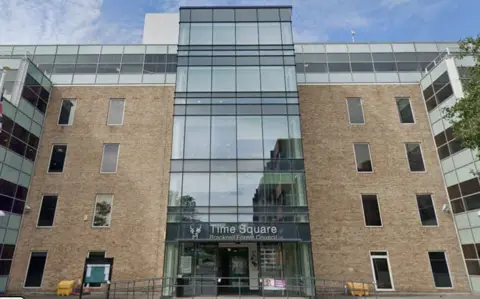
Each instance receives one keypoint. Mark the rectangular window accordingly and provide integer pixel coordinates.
(362, 157)
(355, 111)
(57, 158)
(441, 275)
(67, 112)
(414, 156)
(426, 210)
(96, 254)
(381, 270)
(371, 210)
(36, 267)
(405, 111)
(110, 158)
(47, 210)
(103, 210)
(116, 110)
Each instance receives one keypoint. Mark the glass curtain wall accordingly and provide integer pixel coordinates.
(237, 156)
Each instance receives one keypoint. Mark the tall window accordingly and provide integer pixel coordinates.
(426, 210)
(36, 267)
(67, 112)
(414, 156)
(362, 157)
(381, 270)
(441, 274)
(57, 158)
(405, 111)
(355, 111)
(115, 112)
(96, 254)
(103, 210)
(47, 210)
(371, 210)
(110, 158)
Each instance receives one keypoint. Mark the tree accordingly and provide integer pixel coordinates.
(465, 113)
(102, 214)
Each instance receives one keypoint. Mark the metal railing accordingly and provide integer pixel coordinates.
(440, 57)
(214, 287)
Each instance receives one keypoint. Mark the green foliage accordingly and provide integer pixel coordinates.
(465, 114)
(103, 210)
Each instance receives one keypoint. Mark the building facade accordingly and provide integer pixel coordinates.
(236, 158)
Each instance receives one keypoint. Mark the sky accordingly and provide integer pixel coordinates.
(121, 21)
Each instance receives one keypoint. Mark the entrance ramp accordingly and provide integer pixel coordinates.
(212, 288)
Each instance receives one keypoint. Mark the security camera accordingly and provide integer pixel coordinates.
(445, 208)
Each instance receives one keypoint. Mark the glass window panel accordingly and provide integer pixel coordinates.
(224, 33)
(178, 137)
(157, 68)
(385, 67)
(224, 139)
(248, 185)
(199, 79)
(223, 165)
(223, 189)
(339, 67)
(249, 137)
(198, 109)
(362, 157)
(88, 58)
(67, 112)
(184, 37)
(223, 78)
(290, 78)
(426, 56)
(63, 68)
(272, 78)
(275, 137)
(109, 58)
(247, 60)
(108, 68)
(295, 135)
(201, 34)
(179, 110)
(200, 60)
(406, 57)
(287, 33)
(246, 33)
(274, 109)
(383, 57)
(360, 57)
(201, 15)
(155, 58)
(355, 111)
(441, 275)
(131, 69)
(371, 210)
(268, 14)
(196, 165)
(110, 157)
(86, 69)
(116, 111)
(176, 166)
(285, 14)
(185, 15)
(249, 109)
(337, 57)
(197, 137)
(426, 210)
(271, 60)
(195, 189)
(224, 60)
(362, 67)
(44, 59)
(269, 33)
(223, 15)
(246, 14)
(133, 58)
(415, 158)
(405, 111)
(408, 67)
(65, 59)
(316, 68)
(248, 78)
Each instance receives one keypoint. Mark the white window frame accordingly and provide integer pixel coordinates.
(28, 266)
(110, 107)
(448, 268)
(411, 109)
(421, 153)
(363, 210)
(95, 211)
(40, 210)
(369, 154)
(389, 269)
(50, 159)
(434, 209)
(72, 112)
(348, 111)
(116, 164)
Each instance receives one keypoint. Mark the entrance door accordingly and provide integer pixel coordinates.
(233, 271)
(381, 270)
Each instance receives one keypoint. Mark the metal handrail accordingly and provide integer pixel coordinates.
(210, 285)
(439, 58)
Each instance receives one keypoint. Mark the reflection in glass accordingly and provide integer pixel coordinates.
(199, 79)
(224, 141)
(224, 34)
(275, 137)
(362, 156)
(178, 136)
(223, 189)
(181, 84)
(295, 137)
(175, 189)
(197, 137)
(290, 78)
(272, 78)
(223, 78)
(249, 137)
(269, 33)
(248, 184)
(246, 33)
(201, 34)
(248, 78)
(195, 189)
